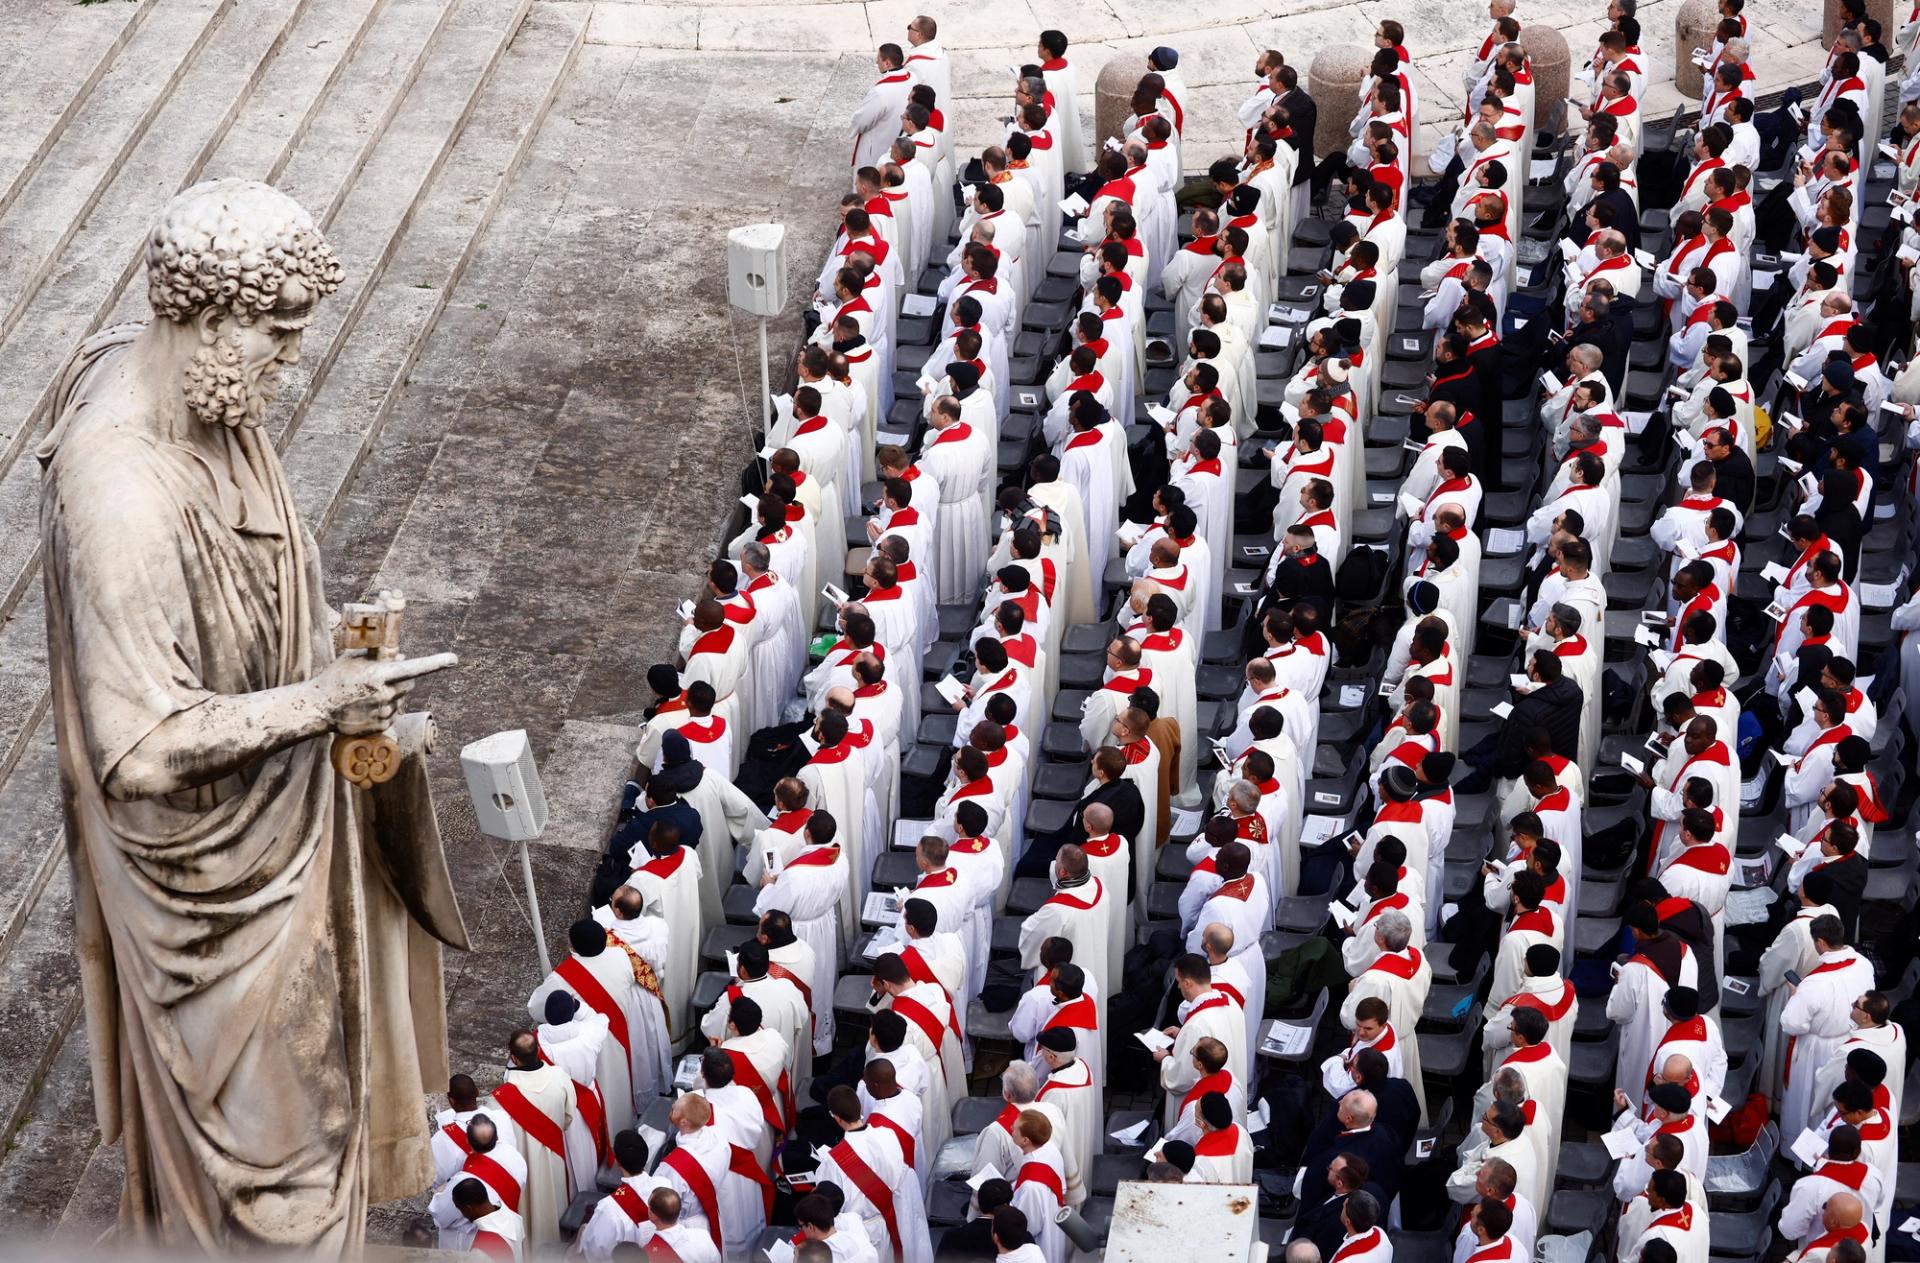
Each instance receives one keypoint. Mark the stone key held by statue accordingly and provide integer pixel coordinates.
(374, 627)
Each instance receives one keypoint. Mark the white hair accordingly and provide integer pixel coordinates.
(1393, 931)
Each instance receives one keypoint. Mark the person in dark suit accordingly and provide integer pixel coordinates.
(1611, 207)
(1607, 322)
(1319, 1222)
(662, 803)
(972, 1241)
(1840, 521)
(1303, 116)
(1303, 576)
(1112, 790)
(1553, 705)
(1396, 1108)
(1476, 320)
(1732, 469)
(1845, 870)
(1350, 1128)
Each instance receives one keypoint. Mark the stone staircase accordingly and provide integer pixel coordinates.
(400, 124)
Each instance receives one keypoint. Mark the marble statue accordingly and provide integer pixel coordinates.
(259, 937)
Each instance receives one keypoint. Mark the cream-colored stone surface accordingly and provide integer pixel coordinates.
(1217, 42)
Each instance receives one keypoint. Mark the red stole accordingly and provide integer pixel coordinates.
(921, 1016)
(906, 1139)
(748, 1076)
(529, 1119)
(583, 984)
(1219, 1081)
(1042, 1174)
(494, 1176)
(700, 1184)
(856, 1169)
(1218, 1144)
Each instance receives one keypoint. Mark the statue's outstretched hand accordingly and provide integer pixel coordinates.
(360, 695)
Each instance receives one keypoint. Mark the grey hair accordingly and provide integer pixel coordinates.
(755, 554)
(1393, 931)
(1019, 1084)
(1509, 1086)
(1244, 794)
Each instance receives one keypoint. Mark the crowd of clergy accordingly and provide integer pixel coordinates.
(1382, 681)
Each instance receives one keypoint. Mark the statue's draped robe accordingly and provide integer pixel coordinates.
(261, 1006)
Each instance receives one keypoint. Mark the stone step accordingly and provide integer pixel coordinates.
(88, 151)
(369, 217)
(101, 266)
(342, 420)
(458, 142)
(48, 1155)
(46, 80)
(39, 973)
(456, 76)
(308, 69)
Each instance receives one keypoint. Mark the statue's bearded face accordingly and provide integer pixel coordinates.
(235, 372)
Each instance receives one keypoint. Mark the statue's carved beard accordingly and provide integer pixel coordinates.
(217, 388)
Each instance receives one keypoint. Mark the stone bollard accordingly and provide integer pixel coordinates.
(1693, 27)
(1879, 10)
(1334, 80)
(1552, 68)
(1113, 97)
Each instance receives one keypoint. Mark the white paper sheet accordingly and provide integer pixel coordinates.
(1621, 1144)
(1282, 1039)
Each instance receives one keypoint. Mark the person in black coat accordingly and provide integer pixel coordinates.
(1351, 1128)
(1611, 207)
(972, 1241)
(1846, 872)
(1396, 1108)
(662, 804)
(1320, 1222)
(1607, 322)
(1553, 704)
(1841, 522)
(1112, 790)
(1303, 575)
(1732, 469)
(1303, 116)
(1484, 352)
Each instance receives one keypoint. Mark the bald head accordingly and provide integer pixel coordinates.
(1217, 939)
(1098, 819)
(1843, 1211)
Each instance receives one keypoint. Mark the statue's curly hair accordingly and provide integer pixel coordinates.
(232, 244)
